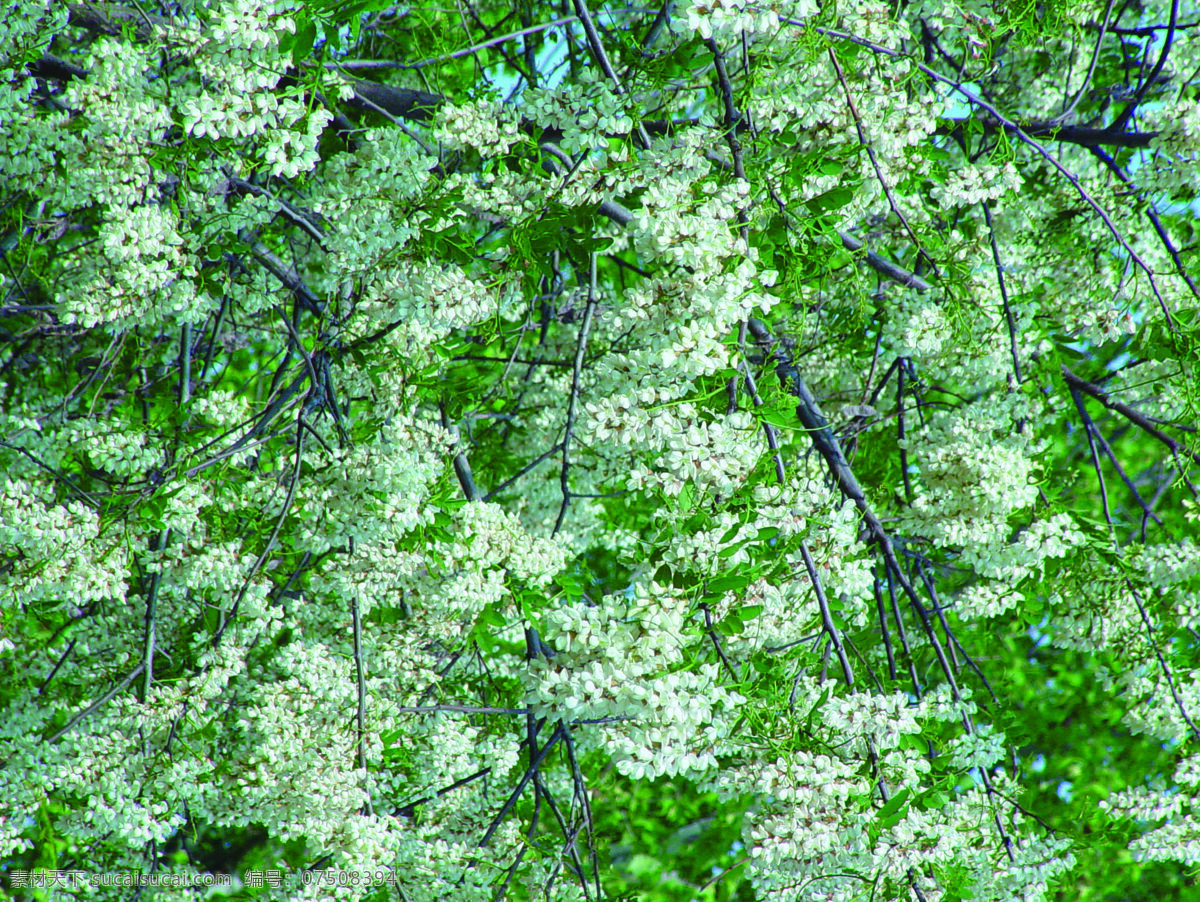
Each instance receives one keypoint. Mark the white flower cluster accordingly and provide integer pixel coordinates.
(788, 604)
(435, 868)
(969, 185)
(1167, 564)
(230, 117)
(446, 584)
(974, 474)
(621, 660)
(289, 152)
(695, 349)
(1175, 841)
(986, 599)
(673, 226)
(435, 297)
(724, 546)
(1178, 839)
(1055, 536)
(1143, 804)
(136, 824)
(99, 154)
(935, 837)
(1175, 166)
(14, 109)
(386, 164)
(332, 510)
(843, 564)
(236, 54)
(917, 327)
(496, 536)
(299, 779)
(981, 748)
(1153, 389)
(450, 607)
(586, 109)
(62, 554)
(1101, 617)
(236, 45)
(894, 121)
(939, 704)
(975, 356)
(487, 126)
(688, 317)
(95, 771)
(623, 419)
(1027, 877)
(147, 274)
(367, 198)
(117, 454)
(883, 719)
(1097, 325)
(1157, 709)
(1187, 771)
(1011, 561)
(788, 508)
(873, 21)
(808, 107)
(725, 19)
(711, 455)
(221, 407)
(807, 831)
(195, 570)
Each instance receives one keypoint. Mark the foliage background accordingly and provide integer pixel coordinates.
(717, 451)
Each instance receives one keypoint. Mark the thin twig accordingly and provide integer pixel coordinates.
(593, 37)
(830, 627)
(576, 378)
(1014, 129)
(1141, 421)
(98, 703)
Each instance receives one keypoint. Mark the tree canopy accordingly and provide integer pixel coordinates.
(711, 451)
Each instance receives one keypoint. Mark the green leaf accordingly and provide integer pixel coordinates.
(892, 812)
(782, 418)
(492, 617)
(830, 200)
(820, 703)
(733, 582)
(730, 626)
(730, 533)
(300, 44)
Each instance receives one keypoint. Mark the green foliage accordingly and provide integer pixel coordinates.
(411, 421)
